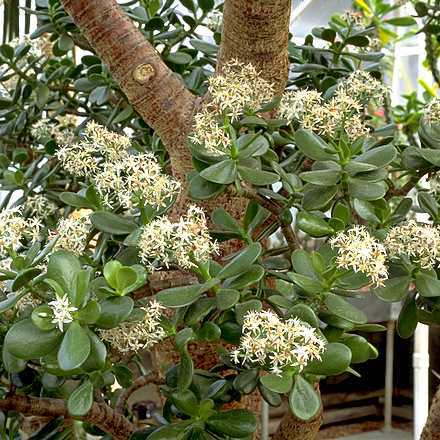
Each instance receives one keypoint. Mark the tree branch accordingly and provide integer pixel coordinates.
(151, 87)
(140, 382)
(100, 415)
(257, 32)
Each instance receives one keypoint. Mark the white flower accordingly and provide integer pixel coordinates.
(39, 206)
(14, 227)
(238, 89)
(72, 233)
(420, 242)
(134, 179)
(163, 242)
(360, 252)
(62, 311)
(140, 335)
(432, 112)
(276, 344)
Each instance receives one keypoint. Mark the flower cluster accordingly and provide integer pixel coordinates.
(360, 252)
(239, 89)
(14, 227)
(343, 111)
(61, 130)
(277, 344)
(214, 20)
(421, 242)
(297, 104)
(135, 179)
(119, 176)
(62, 311)
(353, 17)
(39, 206)
(432, 112)
(139, 335)
(72, 232)
(163, 242)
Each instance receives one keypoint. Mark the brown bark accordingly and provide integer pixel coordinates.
(292, 428)
(431, 431)
(100, 415)
(257, 32)
(152, 88)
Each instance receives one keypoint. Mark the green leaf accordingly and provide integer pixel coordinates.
(241, 262)
(302, 263)
(223, 172)
(316, 197)
(359, 347)
(114, 310)
(365, 210)
(335, 360)
(306, 283)
(202, 189)
(81, 400)
(203, 46)
(238, 423)
(278, 383)
(206, 5)
(428, 203)
(427, 285)
(394, 289)
(358, 189)
(42, 317)
(98, 354)
(173, 431)
(180, 296)
(209, 332)
(241, 309)
(305, 313)
(123, 375)
(110, 271)
(401, 21)
(73, 199)
(75, 347)
(254, 274)
(342, 308)
(62, 268)
(273, 399)
(251, 144)
(80, 288)
(186, 402)
(221, 218)
(321, 177)
(408, 318)
(125, 277)
(227, 298)
(379, 156)
(24, 277)
(303, 400)
(257, 177)
(25, 340)
(65, 43)
(12, 363)
(112, 223)
(357, 40)
(312, 145)
(313, 225)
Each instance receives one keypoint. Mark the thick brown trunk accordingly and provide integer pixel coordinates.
(292, 428)
(152, 88)
(100, 415)
(257, 32)
(431, 430)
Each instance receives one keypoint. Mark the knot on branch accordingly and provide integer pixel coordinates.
(143, 73)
